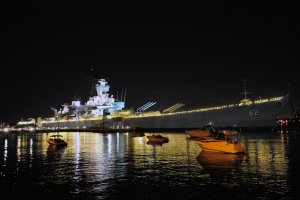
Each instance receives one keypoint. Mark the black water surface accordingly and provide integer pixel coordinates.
(118, 166)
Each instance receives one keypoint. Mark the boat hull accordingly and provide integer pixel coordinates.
(137, 134)
(222, 146)
(157, 139)
(260, 115)
(55, 142)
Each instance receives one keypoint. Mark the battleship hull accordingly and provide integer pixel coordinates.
(256, 115)
(263, 115)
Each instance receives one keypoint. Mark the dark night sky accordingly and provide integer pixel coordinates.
(198, 59)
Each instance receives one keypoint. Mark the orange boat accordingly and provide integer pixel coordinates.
(229, 144)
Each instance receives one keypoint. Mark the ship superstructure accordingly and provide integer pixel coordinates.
(96, 106)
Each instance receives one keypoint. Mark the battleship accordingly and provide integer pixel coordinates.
(104, 111)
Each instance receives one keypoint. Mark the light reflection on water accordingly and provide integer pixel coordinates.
(115, 165)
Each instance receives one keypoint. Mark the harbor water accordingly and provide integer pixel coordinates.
(117, 166)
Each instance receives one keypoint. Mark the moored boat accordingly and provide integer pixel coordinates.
(137, 134)
(157, 138)
(229, 144)
(154, 144)
(198, 133)
(56, 140)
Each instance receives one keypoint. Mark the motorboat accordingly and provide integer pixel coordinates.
(136, 134)
(204, 133)
(198, 133)
(56, 140)
(157, 138)
(228, 144)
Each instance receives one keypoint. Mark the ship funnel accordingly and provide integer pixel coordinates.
(173, 108)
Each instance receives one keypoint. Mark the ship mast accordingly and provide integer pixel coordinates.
(245, 100)
(245, 89)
